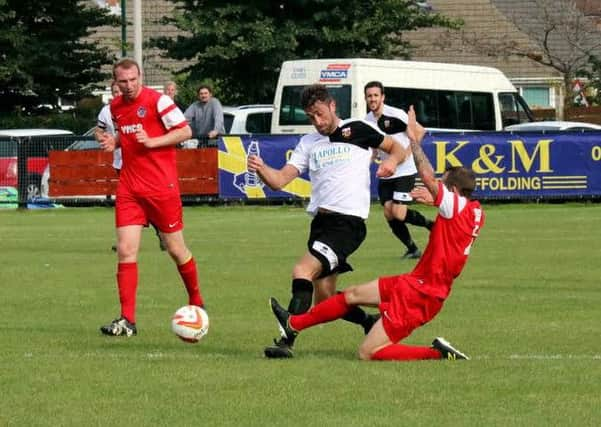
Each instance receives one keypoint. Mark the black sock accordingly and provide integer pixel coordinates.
(401, 231)
(302, 296)
(356, 315)
(416, 218)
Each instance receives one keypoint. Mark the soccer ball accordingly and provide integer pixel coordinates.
(190, 323)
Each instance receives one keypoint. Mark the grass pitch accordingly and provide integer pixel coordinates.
(526, 308)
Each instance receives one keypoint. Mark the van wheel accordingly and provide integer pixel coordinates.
(34, 185)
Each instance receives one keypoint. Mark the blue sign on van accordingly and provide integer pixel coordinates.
(334, 73)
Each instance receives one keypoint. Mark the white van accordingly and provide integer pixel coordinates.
(445, 96)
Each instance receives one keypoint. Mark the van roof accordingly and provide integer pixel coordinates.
(416, 74)
(20, 133)
(395, 63)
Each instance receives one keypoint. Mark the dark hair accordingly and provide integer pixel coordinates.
(462, 178)
(314, 93)
(125, 63)
(204, 86)
(374, 84)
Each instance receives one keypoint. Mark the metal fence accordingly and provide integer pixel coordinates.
(24, 170)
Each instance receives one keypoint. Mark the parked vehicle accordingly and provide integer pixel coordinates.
(246, 119)
(87, 142)
(551, 126)
(37, 159)
(445, 96)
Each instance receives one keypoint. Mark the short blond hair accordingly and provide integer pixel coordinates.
(125, 63)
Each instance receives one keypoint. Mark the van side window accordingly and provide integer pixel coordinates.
(513, 109)
(291, 112)
(228, 120)
(258, 123)
(446, 109)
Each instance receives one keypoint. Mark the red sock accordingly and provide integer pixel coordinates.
(330, 309)
(189, 275)
(405, 352)
(127, 281)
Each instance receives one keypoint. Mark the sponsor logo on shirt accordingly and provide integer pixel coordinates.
(330, 155)
(129, 129)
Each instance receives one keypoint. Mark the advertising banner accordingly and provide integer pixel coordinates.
(507, 165)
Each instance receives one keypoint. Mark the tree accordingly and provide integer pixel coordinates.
(240, 45)
(562, 37)
(45, 51)
(593, 74)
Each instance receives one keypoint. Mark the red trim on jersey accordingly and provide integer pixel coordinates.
(166, 110)
(179, 125)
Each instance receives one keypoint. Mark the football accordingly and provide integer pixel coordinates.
(190, 323)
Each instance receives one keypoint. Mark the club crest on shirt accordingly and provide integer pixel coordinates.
(386, 123)
(141, 112)
(346, 133)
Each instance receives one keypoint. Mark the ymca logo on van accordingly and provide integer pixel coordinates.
(334, 73)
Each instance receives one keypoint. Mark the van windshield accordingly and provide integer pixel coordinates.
(446, 109)
(291, 112)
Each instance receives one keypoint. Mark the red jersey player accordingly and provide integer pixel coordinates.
(410, 300)
(148, 126)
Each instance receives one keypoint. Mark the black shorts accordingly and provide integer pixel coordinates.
(387, 187)
(333, 238)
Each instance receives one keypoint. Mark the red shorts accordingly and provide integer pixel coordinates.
(403, 307)
(164, 211)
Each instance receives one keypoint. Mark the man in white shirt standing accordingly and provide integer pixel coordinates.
(393, 191)
(337, 157)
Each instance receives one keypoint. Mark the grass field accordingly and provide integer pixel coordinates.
(527, 308)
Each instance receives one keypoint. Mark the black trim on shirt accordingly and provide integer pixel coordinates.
(391, 125)
(357, 133)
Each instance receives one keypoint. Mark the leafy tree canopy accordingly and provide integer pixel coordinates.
(240, 45)
(44, 51)
(593, 74)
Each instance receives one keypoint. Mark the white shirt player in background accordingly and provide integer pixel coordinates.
(393, 191)
(105, 124)
(337, 157)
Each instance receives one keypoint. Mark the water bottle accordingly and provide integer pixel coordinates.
(251, 179)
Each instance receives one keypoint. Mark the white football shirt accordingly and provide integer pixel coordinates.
(394, 122)
(338, 166)
(105, 122)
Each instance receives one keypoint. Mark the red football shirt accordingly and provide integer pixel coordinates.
(457, 225)
(146, 171)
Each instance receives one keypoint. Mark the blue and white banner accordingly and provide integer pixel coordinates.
(507, 165)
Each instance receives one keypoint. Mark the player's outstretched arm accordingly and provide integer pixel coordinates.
(416, 134)
(276, 179)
